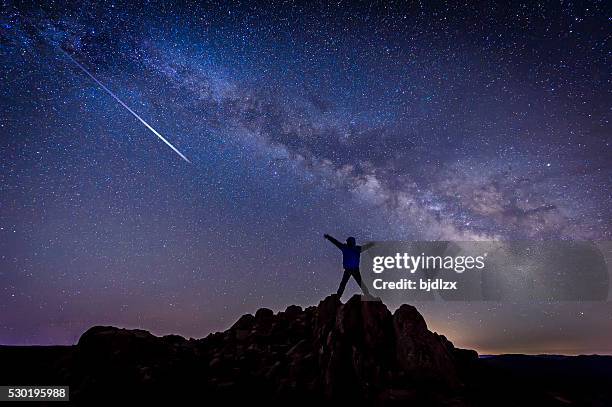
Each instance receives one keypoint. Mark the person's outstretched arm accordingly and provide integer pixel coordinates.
(367, 246)
(334, 241)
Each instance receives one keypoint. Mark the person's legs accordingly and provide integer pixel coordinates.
(345, 279)
(357, 276)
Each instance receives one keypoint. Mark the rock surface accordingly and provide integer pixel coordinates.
(356, 351)
(333, 353)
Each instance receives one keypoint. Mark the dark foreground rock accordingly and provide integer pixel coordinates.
(357, 352)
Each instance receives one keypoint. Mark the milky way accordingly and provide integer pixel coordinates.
(395, 121)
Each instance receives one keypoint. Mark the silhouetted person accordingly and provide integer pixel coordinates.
(350, 261)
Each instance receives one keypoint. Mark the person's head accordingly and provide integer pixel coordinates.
(350, 241)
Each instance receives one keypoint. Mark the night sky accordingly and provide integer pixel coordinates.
(383, 120)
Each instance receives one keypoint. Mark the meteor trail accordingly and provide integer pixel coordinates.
(124, 105)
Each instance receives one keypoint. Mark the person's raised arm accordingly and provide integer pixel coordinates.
(334, 241)
(367, 246)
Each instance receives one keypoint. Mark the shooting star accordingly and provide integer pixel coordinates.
(147, 125)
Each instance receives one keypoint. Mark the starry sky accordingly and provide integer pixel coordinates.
(395, 120)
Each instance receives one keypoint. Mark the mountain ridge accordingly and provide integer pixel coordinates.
(331, 353)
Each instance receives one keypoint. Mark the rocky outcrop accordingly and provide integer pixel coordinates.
(333, 354)
(358, 351)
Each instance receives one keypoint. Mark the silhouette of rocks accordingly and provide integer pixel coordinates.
(333, 353)
(420, 352)
(357, 351)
